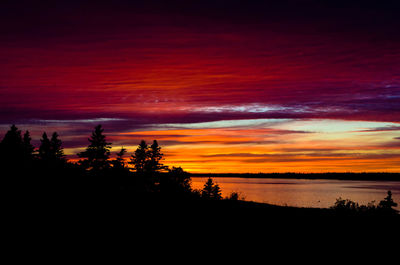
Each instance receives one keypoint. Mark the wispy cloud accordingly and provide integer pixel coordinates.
(94, 120)
(381, 129)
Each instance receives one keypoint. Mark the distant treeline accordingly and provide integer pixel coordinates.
(329, 175)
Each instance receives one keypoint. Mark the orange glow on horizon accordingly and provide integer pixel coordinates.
(266, 150)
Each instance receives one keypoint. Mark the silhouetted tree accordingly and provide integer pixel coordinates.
(139, 158)
(45, 148)
(51, 156)
(211, 190)
(12, 137)
(28, 148)
(97, 153)
(12, 140)
(11, 148)
(345, 206)
(387, 203)
(119, 161)
(57, 151)
(147, 159)
(154, 157)
(176, 181)
(235, 196)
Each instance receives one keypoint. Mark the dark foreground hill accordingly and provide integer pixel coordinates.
(111, 198)
(110, 215)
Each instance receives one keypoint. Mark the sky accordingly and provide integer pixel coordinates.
(224, 86)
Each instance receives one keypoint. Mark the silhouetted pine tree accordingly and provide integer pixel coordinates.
(57, 151)
(139, 158)
(27, 146)
(211, 190)
(97, 153)
(11, 148)
(154, 157)
(51, 153)
(387, 204)
(28, 149)
(45, 149)
(119, 162)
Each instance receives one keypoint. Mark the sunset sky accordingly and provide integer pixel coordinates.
(224, 86)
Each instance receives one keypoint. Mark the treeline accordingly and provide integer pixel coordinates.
(47, 169)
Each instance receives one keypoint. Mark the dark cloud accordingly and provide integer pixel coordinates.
(382, 129)
(322, 158)
(389, 145)
(309, 156)
(286, 155)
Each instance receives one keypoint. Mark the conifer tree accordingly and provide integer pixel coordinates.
(139, 158)
(211, 190)
(50, 151)
(28, 148)
(26, 143)
(45, 148)
(154, 155)
(57, 151)
(12, 140)
(119, 162)
(11, 148)
(97, 153)
(387, 204)
(16, 151)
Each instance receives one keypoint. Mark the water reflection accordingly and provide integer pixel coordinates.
(304, 192)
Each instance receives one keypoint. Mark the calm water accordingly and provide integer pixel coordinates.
(304, 192)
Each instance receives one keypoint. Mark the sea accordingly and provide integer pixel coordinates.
(316, 193)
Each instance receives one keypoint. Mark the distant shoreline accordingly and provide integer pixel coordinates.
(290, 175)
